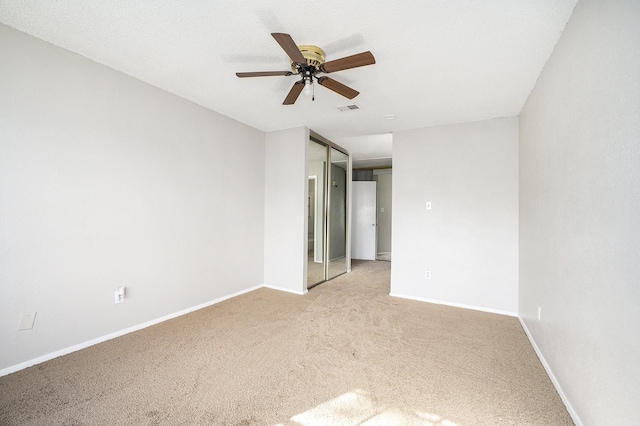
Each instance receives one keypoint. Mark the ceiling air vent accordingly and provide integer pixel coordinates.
(348, 107)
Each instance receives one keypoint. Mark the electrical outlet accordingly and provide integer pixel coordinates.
(120, 295)
(428, 205)
(427, 274)
(539, 312)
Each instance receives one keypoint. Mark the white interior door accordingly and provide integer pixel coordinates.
(363, 229)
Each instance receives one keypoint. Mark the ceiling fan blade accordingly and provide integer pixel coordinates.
(286, 42)
(294, 93)
(353, 61)
(337, 87)
(263, 73)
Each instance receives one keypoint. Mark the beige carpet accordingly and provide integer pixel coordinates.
(344, 354)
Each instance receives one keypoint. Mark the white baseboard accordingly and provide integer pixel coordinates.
(556, 384)
(83, 345)
(288, 290)
(455, 305)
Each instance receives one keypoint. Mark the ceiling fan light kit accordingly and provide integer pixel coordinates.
(307, 61)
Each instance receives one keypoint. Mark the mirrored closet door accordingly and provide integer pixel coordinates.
(327, 212)
(337, 214)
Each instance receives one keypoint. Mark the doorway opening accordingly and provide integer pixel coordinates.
(372, 214)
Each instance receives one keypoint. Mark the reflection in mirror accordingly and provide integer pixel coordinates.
(316, 204)
(337, 214)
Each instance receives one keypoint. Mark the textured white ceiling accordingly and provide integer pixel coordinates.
(438, 62)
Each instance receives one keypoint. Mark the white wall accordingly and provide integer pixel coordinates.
(469, 240)
(580, 210)
(286, 189)
(106, 181)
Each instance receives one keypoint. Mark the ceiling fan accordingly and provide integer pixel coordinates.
(308, 62)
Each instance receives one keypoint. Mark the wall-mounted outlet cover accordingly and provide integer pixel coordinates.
(427, 274)
(428, 205)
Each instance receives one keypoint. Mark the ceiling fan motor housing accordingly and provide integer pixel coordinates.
(313, 54)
